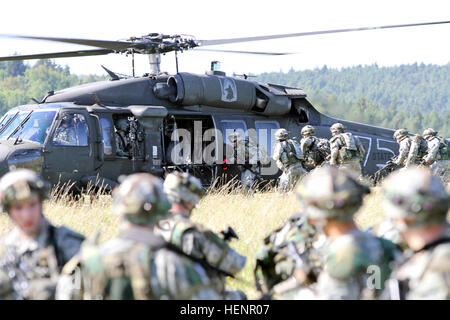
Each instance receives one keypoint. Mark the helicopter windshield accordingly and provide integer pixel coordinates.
(6, 118)
(36, 127)
(13, 125)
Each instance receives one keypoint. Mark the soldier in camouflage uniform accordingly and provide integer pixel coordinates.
(289, 159)
(123, 145)
(418, 203)
(417, 150)
(437, 155)
(34, 252)
(315, 150)
(290, 260)
(65, 134)
(346, 150)
(331, 196)
(184, 192)
(138, 264)
(245, 155)
(404, 142)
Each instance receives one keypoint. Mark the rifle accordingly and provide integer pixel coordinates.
(389, 167)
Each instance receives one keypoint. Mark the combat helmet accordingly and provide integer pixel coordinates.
(417, 195)
(140, 199)
(337, 127)
(181, 186)
(429, 132)
(400, 133)
(281, 134)
(21, 185)
(331, 193)
(122, 124)
(308, 129)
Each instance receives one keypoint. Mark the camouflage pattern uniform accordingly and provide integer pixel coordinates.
(31, 266)
(296, 245)
(289, 158)
(438, 154)
(401, 135)
(346, 150)
(315, 150)
(122, 138)
(422, 204)
(194, 239)
(66, 135)
(417, 150)
(138, 264)
(331, 194)
(245, 155)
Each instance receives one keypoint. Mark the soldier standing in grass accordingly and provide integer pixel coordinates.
(315, 150)
(357, 263)
(34, 252)
(185, 192)
(437, 155)
(138, 264)
(418, 204)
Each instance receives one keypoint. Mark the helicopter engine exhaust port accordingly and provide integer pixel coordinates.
(222, 92)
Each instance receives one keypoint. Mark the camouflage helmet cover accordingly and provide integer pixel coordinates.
(400, 133)
(416, 194)
(20, 185)
(337, 127)
(140, 199)
(180, 186)
(308, 130)
(281, 134)
(429, 132)
(331, 192)
(122, 124)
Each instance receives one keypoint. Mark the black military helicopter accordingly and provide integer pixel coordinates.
(71, 134)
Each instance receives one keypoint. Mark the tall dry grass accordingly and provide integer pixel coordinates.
(251, 216)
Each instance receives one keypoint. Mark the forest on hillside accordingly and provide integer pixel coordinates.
(415, 96)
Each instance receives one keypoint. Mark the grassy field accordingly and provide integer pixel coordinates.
(252, 217)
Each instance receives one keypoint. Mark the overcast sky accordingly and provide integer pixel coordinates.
(113, 20)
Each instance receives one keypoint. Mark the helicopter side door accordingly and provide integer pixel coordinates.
(69, 150)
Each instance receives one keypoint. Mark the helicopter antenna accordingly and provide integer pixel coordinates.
(176, 60)
(132, 62)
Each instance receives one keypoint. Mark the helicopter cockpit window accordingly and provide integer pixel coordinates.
(72, 131)
(36, 127)
(13, 125)
(106, 134)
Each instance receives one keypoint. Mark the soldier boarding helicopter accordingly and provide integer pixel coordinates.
(72, 134)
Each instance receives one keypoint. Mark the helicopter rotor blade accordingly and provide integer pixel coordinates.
(66, 54)
(301, 34)
(105, 44)
(247, 52)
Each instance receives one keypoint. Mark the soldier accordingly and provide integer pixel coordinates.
(417, 150)
(346, 150)
(289, 158)
(245, 155)
(437, 155)
(418, 203)
(295, 245)
(138, 264)
(316, 150)
(123, 145)
(404, 142)
(357, 263)
(34, 252)
(65, 134)
(184, 192)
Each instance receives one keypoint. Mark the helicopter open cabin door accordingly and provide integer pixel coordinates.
(69, 151)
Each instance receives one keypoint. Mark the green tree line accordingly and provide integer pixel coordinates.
(19, 82)
(415, 96)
